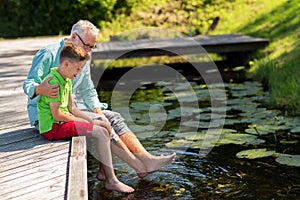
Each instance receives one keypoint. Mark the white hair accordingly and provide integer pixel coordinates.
(83, 26)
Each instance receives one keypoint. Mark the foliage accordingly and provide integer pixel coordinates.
(21, 18)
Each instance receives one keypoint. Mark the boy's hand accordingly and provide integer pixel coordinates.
(78, 119)
(46, 89)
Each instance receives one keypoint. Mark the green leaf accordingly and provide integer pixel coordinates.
(236, 138)
(295, 129)
(254, 153)
(178, 143)
(290, 160)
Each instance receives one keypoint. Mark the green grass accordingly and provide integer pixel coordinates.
(276, 65)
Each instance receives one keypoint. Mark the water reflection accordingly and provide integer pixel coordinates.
(219, 174)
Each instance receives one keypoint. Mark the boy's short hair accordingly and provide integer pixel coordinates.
(73, 52)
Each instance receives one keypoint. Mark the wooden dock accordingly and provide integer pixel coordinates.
(30, 166)
(220, 44)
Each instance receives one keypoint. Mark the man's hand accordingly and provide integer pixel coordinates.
(98, 111)
(103, 124)
(46, 89)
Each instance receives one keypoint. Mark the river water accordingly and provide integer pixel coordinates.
(201, 171)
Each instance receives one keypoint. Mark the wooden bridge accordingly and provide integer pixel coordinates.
(220, 44)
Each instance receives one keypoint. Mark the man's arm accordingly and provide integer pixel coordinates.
(33, 85)
(46, 89)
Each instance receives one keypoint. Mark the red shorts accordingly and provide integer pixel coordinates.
(68, 129)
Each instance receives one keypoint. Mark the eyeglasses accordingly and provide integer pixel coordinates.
(86, 45)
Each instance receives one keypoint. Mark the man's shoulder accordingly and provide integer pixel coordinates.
(52, 49)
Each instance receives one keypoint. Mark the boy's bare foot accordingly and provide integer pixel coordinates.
(118, 186)
(142, 175)
(101, 175)
(157, 162)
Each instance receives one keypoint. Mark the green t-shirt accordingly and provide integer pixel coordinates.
(44, 112)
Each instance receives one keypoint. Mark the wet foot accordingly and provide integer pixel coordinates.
(100, 176)
(157, 162)
(142, 175)
(119, 187)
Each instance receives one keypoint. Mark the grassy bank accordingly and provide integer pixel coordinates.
(276, 65)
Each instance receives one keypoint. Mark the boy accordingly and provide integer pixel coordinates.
(59, 118)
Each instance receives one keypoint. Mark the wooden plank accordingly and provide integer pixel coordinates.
(19, 169)
(34, 176)
(26, 157)
(77, 183)
(178, 46)
(22, 144)
(16, 136)
(40, 191)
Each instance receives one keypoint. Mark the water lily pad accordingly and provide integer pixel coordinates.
(145, 106)
(236, 138)
(254, 153)
(290, 160)
(202, 144)
(246, 91)
(245, 108)
(151, 117)
(183, 96)
(257, 113)
(205, 134)
(183, 112)
(209, 116)
(295, 129)
(192, 135)
(232, 121)
(137, 128)
(178, 143)
(237, 101)
(292, 121)
(261, 129)
(284, 141)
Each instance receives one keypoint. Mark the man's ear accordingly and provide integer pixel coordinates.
(73, 36)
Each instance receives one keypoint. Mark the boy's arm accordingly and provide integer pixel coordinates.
(76, 112)
(58, 115)
(80, 115)
(62, 117)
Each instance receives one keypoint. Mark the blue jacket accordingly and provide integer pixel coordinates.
(47, 58)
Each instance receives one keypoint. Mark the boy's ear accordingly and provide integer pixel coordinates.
(66, 63)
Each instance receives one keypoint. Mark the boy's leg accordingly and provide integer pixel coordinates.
(127, 143)
(111, 181)
(69, 129)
